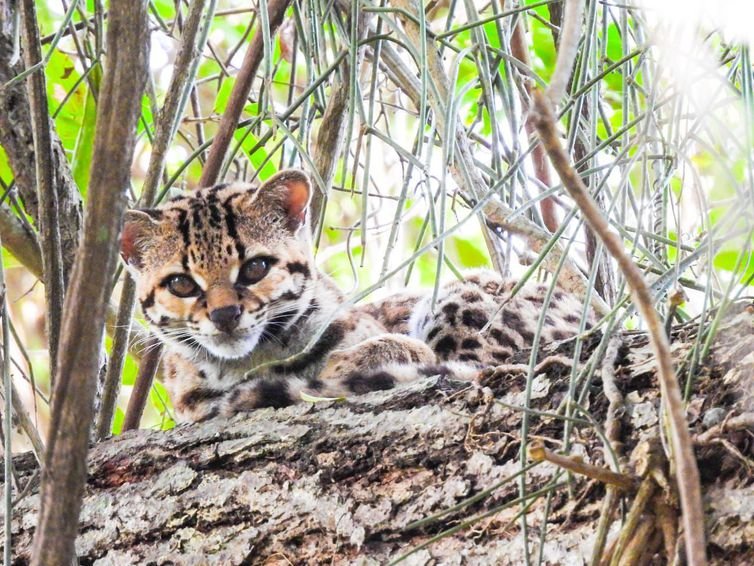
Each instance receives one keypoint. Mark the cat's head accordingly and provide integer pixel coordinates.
(220, 269)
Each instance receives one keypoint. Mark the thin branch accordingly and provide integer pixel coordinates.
(520, 51)
(537, 452)
(117, 360)
(328, 144)
(238, 96)
(64, 473)
(687, 473)
(52, 257)
(570, 35)
(143, 384)
(9, 397)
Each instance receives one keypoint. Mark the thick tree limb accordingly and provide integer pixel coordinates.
(16, 135)
(78, 362)
(373, 478)
(687, 473)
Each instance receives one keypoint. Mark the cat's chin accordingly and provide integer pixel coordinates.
(231, 347)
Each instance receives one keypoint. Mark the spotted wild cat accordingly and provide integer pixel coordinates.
(227, 281)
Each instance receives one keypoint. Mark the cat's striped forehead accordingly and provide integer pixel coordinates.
(208, 220)
(211, 232)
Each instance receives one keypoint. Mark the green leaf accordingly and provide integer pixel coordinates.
(314, 399)
(62, 77)
(728, 260)
(82, 154)
(6, 173)
(469, 252)
(258, 159)
(118, 419)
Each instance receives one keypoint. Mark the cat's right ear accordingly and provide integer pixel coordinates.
(139, 226)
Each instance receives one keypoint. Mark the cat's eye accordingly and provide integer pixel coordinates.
(255, 270)
(182, 286)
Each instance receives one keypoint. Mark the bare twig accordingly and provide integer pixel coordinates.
(329, 143)
(570, 34)
(520, 51)
(638, 507)
(612, 432)
(241, 88)
(687, 473)
(117, 359)
(464, 171)
(539, 453)
(25, 247)
(644, 538)
(616, 407)
(52, 258)
(738, 422)
(609, 504)
(142, 385)
(65, 461)
(7, 420)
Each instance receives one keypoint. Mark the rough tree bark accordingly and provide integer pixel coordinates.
(340, 482)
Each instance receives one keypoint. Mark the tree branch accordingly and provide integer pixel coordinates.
(520, 51)
(17, 139)
(65, 461)
(20, 240)
(430, 467)
(238, 96)
(49, 227)
(329, 143)
(570, 35)
(147, 370)
(687, 473)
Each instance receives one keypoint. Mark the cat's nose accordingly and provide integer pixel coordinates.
(226, 319)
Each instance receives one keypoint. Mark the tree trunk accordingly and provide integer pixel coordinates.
(341, 482)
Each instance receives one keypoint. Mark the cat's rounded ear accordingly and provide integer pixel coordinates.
(139, 226)
(292, 190)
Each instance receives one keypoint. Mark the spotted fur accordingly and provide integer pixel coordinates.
(227, 282)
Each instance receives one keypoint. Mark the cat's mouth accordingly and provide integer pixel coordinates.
(234, 345)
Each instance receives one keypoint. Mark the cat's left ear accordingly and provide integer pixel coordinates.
(291, 190)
